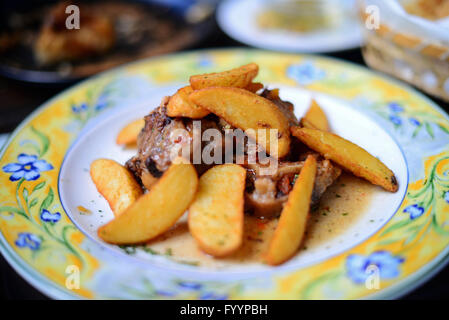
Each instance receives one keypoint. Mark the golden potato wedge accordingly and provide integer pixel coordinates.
(180, 105)
(292, 223)
(349, 156)
(129, 133)
(254, 87)
(247, 110)
(156, 211)
(116, 184)
(315, 118)
(216, 214)
(238, 78)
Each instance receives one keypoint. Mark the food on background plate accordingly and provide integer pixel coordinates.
(56, 43)
(216, 214)
(115, 183)
(35, 38)
(292, 222)
(301, 16)
(308, 162)
(156, 211)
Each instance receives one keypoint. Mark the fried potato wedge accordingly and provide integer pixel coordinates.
(292, 223)
(349, 156)
(247, 110)
(254, 87)
(156, 211)
(238, 78)
(115, 183)
(315, 118)
(180, 105)
(129, 133)
(216, 215)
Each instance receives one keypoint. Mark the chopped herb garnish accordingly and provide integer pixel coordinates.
(338, 196)
(345, 213)
(128, 249)
(149, 250)
(190, 263)
(168, 252)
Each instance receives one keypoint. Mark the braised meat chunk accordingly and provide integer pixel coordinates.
(162, 138)
(267, 194)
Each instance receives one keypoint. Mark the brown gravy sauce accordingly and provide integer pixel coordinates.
(342, 205)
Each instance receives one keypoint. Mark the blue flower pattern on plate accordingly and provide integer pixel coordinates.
(395, 107)
(79, 109)
(47, 216)
(305, 73)
(28, 167)
(212, 296)
(189, 285)
(202, 294)
(414, 122)
(28, 240)
(101, 103)
(395, 120)
(414, 211)
(205, 61)
(165, 293)
(388, 265)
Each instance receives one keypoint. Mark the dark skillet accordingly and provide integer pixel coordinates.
(157, 29)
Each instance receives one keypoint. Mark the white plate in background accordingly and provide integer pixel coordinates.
(237, 18)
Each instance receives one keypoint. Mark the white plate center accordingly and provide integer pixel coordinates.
(77, 192)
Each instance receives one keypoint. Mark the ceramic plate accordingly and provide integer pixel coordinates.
(238, 19)
(50, 210)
